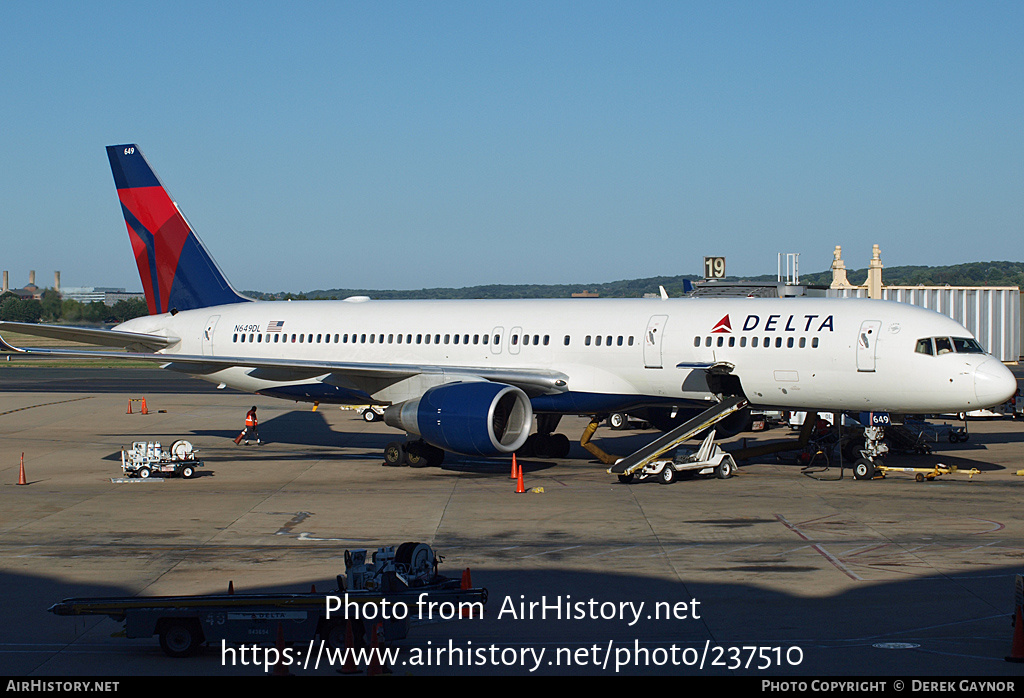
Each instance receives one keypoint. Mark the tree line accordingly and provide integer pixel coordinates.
(52, 308)
(968, 274)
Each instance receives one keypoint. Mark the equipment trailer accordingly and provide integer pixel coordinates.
(147, 458)
(397, 583)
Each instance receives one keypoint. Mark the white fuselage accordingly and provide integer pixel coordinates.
(803, 353)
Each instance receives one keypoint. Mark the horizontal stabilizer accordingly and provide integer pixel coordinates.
(136, 341)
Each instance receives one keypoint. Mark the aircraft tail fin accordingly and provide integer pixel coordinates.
(177, 271)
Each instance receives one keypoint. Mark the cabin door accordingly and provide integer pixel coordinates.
(866, 343)
(211, 324)
(653, 340)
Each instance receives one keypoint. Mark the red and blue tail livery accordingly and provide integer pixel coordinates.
(176, 270)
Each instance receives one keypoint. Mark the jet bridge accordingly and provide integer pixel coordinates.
(671, 439)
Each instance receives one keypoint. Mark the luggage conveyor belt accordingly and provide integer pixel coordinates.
(671, 439)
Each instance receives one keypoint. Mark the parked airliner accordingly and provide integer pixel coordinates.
(468, 376)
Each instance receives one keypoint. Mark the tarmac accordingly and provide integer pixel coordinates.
(771, 573)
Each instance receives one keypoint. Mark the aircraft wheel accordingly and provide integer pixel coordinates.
(435, 456)
(542, 446)
(863, 469)
(415, 459)
(370, 416)
(394, 454)
(416, 454)
(667, 475)
(560, 445)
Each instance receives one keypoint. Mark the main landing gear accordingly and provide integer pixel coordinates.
(545, 444)
(415, 454)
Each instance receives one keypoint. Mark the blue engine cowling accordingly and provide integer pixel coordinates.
(473, 418)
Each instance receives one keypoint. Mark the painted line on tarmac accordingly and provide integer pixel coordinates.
(45, 404)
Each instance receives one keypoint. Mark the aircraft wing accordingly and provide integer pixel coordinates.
(107, 338)
(531, 381)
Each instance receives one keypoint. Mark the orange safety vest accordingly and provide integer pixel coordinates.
(250, 419)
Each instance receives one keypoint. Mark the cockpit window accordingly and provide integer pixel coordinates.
(966, 345)
(937, 346)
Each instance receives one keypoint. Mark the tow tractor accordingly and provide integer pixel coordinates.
(147, 458)
(921, 474)
(397, 584)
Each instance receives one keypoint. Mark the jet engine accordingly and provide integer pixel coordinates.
(473, 418)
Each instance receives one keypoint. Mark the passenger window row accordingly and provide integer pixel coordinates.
(788, 342)
(476, 339)
(607, 340)
(364, 338)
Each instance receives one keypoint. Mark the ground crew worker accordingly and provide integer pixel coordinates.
(252, 426)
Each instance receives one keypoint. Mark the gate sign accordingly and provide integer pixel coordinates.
(714, 267)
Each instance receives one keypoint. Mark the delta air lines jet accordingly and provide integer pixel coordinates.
(468, 376)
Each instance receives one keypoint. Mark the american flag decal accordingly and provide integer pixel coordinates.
(275, 326)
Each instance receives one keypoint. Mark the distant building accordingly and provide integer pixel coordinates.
(105, 295)
(586, 294)
(29, 292)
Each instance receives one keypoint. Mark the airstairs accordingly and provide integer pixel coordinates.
(671, 439)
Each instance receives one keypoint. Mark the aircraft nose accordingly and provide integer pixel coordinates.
(993, 383)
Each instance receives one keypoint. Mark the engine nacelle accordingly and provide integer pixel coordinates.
(474, 418)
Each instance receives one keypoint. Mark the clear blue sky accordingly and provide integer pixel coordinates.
(420, 144)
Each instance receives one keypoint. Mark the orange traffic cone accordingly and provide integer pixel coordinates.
(520, 487)
(376, 666)
(21, 473)
(279, 668)
(515, 468)
(467, 583)
(145, 410)
(129, 406)
(383, 645)
(349, 667)
(1017, 649)
(373, 668)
